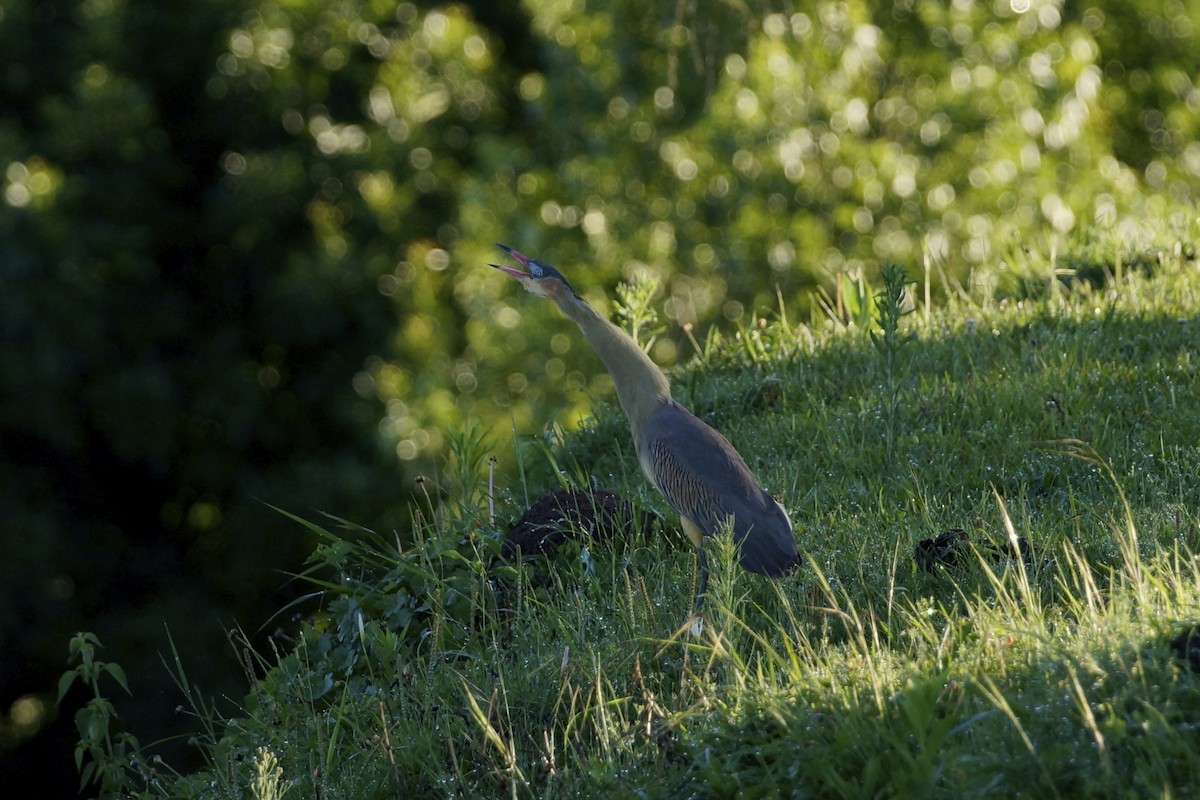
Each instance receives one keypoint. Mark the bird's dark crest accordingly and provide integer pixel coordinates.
(540, 269)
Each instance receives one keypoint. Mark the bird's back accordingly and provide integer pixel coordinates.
(706, 481)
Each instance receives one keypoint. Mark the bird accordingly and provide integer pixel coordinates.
(699, 473)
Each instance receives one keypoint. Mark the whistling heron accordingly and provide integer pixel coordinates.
(695, 468)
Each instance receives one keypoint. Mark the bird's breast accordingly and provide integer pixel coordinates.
(646, 460)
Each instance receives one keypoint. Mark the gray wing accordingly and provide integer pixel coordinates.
(706, 481)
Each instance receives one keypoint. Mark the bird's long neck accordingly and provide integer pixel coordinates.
(641, 386)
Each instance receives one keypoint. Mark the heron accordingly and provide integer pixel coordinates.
(699, 473)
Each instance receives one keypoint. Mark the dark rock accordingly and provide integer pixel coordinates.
(947, 549)
(1186, 647)
(595, 514)
(1009, 550)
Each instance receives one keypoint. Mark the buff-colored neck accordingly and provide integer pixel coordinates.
(641, 385)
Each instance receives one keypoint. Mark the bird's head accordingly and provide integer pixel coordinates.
(541, 279)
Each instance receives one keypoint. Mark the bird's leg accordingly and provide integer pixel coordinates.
(702, 587)
(695, 623)
(697, 537)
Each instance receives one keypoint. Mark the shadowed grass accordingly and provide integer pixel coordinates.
(1066, 417)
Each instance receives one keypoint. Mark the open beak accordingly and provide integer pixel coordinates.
(516, 273)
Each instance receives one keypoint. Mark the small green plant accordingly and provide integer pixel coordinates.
(753, 344)
(469, 450)
(105, 757)
(722, 597)
(891, 304)
(853, 304)
(635, 309)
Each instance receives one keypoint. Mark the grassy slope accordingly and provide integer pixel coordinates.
(859, 676)
(1037, 414)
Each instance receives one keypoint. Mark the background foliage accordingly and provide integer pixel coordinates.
(241, 243)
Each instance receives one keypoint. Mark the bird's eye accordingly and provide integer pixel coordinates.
(536, 269)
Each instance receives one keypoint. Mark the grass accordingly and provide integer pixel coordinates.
(1059, 407)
